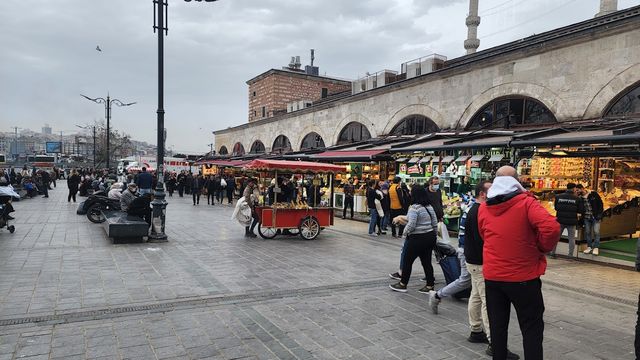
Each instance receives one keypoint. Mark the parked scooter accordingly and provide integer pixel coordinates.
(98, 204)
(4, 214)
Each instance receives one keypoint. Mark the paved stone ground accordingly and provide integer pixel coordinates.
(67, 292)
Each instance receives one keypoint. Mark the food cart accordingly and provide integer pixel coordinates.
(303, 218)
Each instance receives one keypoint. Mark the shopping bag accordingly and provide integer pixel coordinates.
(443, 233)
(379, 208)
(223, 183)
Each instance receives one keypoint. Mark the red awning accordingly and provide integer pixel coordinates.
(294, 166)
(349, 154)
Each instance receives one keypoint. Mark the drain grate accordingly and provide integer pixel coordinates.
(121, 311)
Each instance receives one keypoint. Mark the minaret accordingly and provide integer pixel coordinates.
(607, 7)
(473, 20)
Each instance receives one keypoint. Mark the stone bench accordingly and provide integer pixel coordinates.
(124, 228)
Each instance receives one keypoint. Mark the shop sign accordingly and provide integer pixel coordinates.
(209, 169)
(416, 170)
(403, 169)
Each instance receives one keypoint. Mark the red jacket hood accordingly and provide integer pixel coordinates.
(517, 233)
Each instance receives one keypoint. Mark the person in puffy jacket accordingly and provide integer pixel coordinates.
(517, 233)
(568, 205)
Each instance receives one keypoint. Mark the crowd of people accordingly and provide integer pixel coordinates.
(504, 239)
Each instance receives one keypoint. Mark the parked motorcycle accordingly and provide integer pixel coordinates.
(5, 204)
(98, 204)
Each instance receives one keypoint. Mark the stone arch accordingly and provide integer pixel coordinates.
(281, 144)
(257, 147)
(296, 140)
(540, 93)
(238, 149)
(415, 109)
(355, 117)
(312, 137)
(223, 150)
(611, 92)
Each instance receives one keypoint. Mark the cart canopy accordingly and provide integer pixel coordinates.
(293, 166)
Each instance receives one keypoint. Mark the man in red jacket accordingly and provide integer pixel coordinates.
(517, 233)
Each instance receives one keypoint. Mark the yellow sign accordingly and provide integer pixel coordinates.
(209, 170)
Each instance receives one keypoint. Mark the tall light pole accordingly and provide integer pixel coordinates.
(107, 109)
(160, 26)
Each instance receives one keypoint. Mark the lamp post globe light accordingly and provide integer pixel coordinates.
(158, 217)
(107, 109)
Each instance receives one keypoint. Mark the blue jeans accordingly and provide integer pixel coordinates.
(144, 191)
(373, 221)
(385, 220)
(591, 231)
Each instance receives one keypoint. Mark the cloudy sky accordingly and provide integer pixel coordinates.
(49, 52)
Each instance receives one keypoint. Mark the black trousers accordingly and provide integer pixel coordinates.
(72, 195)
(419, 246)
(196, 197)
(394, 213)
(526, 298)
(230, 196)
(348, 204)
(180, 190)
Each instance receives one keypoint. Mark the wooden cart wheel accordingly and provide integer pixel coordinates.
(309, 228)
(267, 233)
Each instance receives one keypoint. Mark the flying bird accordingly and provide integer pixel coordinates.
(98, 48)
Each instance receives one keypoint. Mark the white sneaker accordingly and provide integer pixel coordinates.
(433, 302)
(596, 251)
(374, 235)
(588, 250)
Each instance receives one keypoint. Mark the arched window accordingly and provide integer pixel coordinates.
(353, 132)
(626, 105)
(223, 150)
(312, 141)
(257, 147)
(281, 145)
(238, 149)
(414, 125)
(508, 112)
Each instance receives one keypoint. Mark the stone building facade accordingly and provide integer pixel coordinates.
(576, 72)
(271, 91)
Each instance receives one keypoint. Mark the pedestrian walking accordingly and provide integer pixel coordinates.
(171, 184)
(250, 195)
(568, 206)
(231, 188)
(73, 181)
(396, 206)
(46, 179)
(196, 188)
(348, 191)
(420, 233)
(372, 196)
(435, 197)
(386, 206)
(593, 210)
(144, 182)
(517, 232)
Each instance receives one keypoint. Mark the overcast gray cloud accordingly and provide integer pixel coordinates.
(48, 52)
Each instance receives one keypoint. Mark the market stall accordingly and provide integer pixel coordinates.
(603, 160)
(308, 217)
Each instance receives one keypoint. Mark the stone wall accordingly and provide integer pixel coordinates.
(577, 79)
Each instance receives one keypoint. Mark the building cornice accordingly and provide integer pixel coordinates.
(600, 27)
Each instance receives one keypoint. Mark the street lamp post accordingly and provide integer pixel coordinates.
(107, 108)
(159, 203)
